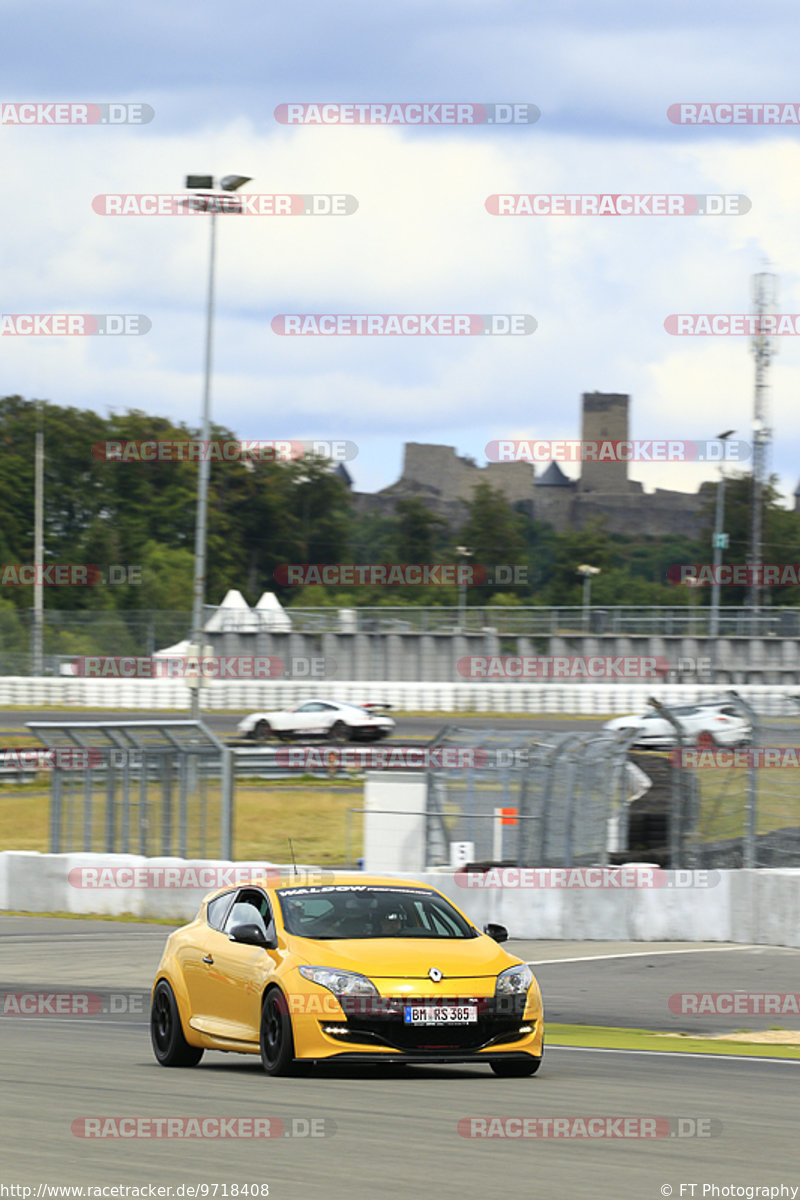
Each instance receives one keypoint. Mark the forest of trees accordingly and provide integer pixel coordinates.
(265, 514)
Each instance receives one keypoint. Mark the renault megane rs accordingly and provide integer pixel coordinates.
(303, 971)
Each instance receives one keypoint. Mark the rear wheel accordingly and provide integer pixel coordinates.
(169, 1045)
(262, 731)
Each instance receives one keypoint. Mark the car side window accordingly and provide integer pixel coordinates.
(251, 907)
(217, 909)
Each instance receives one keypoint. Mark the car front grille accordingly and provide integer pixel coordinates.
(497, 1022)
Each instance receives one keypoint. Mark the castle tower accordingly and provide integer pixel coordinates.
(605, 418)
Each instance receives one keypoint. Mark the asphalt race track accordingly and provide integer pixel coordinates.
(224, 723)
(391, 1133)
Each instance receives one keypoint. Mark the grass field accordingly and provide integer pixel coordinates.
(314, 814)
(602, 1037)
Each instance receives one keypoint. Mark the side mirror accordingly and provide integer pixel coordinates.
(252, 935)
(498, 932)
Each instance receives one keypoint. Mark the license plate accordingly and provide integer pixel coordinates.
(442, 1014)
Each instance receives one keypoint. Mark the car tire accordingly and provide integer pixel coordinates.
(515, 1068)
(339, 732)
(276, 1038)
(262, 730)
(166, 1033)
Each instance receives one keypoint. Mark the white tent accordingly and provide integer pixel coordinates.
(233, 615)
(179, 650)
(271, 615)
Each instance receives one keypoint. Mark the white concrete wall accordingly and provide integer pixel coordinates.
(748, 907)
(394, 821)
(579, 698)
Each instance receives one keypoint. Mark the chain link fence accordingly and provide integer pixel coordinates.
(67, 634)
(533, 799)
(720, 801)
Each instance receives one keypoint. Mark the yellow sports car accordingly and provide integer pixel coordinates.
(303, 970)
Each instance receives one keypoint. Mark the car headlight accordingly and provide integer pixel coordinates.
(515, 981)
(341, 983)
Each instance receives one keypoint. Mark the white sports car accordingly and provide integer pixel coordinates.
(329, 719)
(719, 721)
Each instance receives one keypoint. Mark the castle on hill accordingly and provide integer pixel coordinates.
(445, 481)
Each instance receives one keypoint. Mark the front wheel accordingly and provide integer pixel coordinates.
(339, 732)
(169, 1045)
(515, 1068)
(262, 731)
(276, 1039)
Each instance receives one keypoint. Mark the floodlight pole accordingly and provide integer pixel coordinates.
(203, 474)
(230, 183)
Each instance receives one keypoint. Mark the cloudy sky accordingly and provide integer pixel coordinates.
(602, 72)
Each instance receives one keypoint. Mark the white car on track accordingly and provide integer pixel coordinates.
(719, 721)
(331, 719)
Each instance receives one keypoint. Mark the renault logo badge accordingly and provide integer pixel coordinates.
(435, 974)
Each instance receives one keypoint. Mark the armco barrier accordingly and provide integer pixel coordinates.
(574, 698)
(746, 907)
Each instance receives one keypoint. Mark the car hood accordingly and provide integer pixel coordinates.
(406, 958)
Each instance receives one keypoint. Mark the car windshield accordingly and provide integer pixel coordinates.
(354, 911)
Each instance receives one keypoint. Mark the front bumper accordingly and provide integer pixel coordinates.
(376, 1031)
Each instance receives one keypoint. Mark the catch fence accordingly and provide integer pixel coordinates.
(738, 806)
(536, 799)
